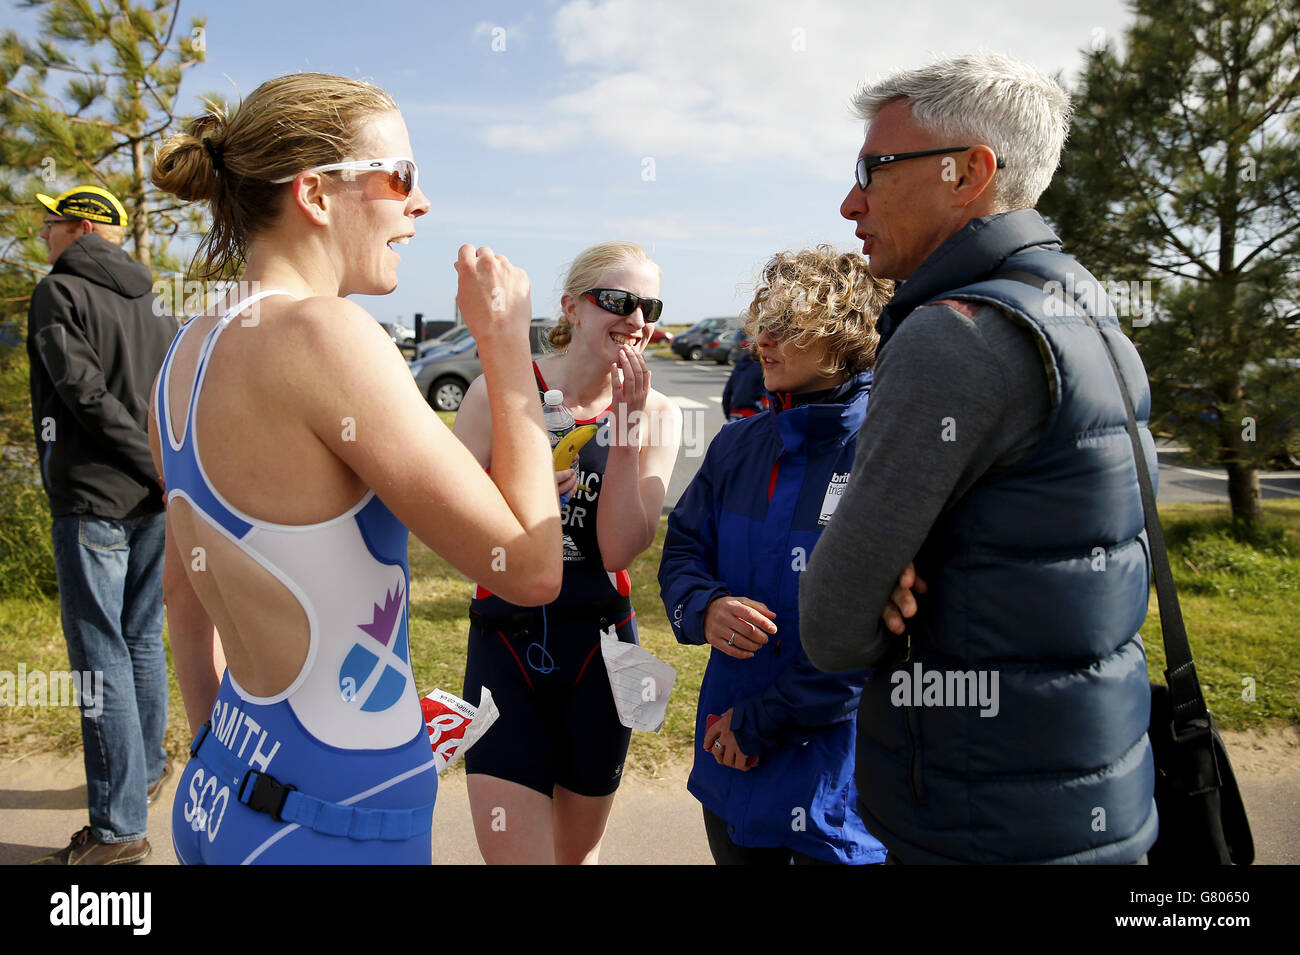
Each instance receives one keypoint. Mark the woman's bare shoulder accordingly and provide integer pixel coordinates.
(332, 328)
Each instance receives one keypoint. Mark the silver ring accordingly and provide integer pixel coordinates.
(717, 743)
(732, 641)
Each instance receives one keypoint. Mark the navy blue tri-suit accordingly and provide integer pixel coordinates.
(746, 526)
(558, 724)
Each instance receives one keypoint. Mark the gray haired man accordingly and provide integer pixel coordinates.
(1008, 725)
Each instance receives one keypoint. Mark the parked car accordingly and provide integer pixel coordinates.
(431, 328)
(741, 347)
(449, 337)
(444, 373)
(660, 335)
(690, 343)
(720, 345)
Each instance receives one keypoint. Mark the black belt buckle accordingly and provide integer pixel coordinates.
(199, 738)
(268, 794)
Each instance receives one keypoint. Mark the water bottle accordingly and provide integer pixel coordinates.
(559, 422)
(557, 418)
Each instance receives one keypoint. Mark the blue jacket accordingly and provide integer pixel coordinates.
(1038, 575)
(746, 526)
(744, 392)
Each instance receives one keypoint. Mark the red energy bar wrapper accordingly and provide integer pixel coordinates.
(446, 717)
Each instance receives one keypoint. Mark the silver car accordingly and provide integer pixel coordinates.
(444, 372)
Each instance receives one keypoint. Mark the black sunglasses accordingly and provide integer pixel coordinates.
(868, 163)
(619, 302)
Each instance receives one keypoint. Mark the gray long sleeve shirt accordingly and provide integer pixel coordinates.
(960, 390)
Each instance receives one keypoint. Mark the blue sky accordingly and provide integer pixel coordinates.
(713, 133)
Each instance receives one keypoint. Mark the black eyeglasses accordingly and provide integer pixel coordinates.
(868, 163)
(620, 302)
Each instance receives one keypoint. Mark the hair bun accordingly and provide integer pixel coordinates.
(189, 163)
(232, 161)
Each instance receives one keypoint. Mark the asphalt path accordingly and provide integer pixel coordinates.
(696, 388)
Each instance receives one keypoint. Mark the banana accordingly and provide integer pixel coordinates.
(566, 452)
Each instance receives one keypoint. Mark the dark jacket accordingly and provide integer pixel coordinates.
(746, 525)
(1038, 576)
(95, 344)
(744, 393)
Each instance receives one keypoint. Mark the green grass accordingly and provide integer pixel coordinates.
(1239, 598)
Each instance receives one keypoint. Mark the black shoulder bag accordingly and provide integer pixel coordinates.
(1202, 818)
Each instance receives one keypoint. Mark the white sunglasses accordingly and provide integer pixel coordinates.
(402, 173)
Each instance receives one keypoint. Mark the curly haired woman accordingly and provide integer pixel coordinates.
(775, 736)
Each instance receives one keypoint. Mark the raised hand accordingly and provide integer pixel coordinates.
(630, 391)
(492, 294)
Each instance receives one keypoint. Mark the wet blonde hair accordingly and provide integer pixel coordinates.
(820, 295)
(286, 125)
(584, 273)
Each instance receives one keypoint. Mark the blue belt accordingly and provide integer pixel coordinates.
(262, 792)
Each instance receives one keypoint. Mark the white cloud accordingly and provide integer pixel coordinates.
(528, 138)
(723, 81)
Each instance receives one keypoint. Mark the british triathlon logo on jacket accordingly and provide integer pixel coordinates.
(834, 491)
(375, 669)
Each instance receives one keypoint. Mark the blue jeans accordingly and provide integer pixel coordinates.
(110, 597)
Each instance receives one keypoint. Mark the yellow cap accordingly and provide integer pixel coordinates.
(86, 202)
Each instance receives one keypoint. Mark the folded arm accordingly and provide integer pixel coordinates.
(800, 703)
(956, 391)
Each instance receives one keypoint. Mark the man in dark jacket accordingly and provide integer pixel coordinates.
(1009, 724)
(96, 343)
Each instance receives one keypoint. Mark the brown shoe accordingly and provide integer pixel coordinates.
(86, 849)
(157, 786)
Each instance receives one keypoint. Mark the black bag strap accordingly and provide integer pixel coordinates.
(1188, 704)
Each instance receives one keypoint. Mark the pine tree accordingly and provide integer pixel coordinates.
(1183, 171)
(85, 103)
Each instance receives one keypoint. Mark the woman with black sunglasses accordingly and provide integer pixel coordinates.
(296, 451)
(542, 782)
